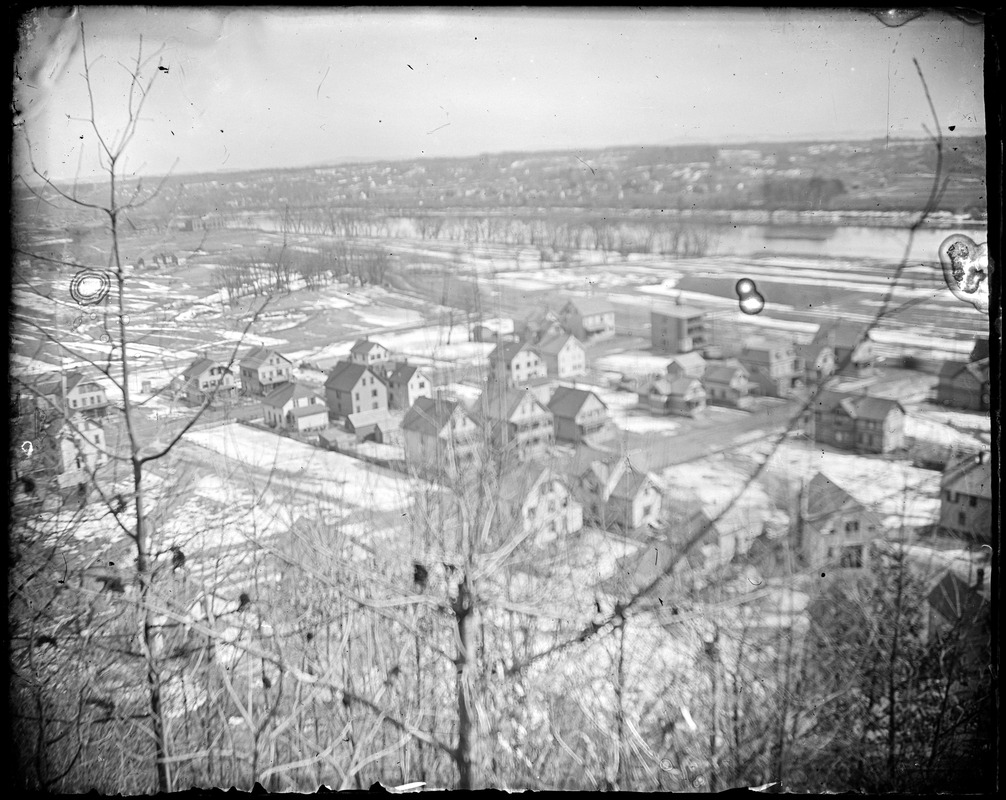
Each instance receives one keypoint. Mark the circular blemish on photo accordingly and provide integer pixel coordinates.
(105, 337)
(751, 300)
(966, 270)
(89, 286)
(125, 319)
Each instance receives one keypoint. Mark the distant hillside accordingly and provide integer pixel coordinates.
(868, 175)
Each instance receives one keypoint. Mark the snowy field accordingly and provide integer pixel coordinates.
(346, 480)
(716, 484)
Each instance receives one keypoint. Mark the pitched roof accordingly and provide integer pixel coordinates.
(198, 367)
(287, 392)
(344, 376)
(630, 484)
(501, 405)
(374, 416)
(811, 351)
(585, 306)
(310, 411)
(429, 415)
(516, 485)
(825, 497)
(842, 333)
(505, 352)
(553, 344)
(971, 475)
(857, 406)
(679, 312)
(677, 387)
(257, 356)
(365, 346)
(764, 345)
(566, 401)
(403, 372)
(724, 372)
(954, 599)
(688, 361)
(55, 387)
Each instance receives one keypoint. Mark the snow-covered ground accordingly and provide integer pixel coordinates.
(715, 483)
(975, 421)
(344, 479)
(930, 430)
(634, 423)
(633, 364)
(903, 494)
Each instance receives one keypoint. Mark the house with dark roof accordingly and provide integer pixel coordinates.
(964, 385)
(577, 413)
(727, 383)
(368, 353)
(295, 407)
(686, 365)
(515, 363)
(440, 435)
(518, 422)
(773, 365)
(589, 319)
(835, 528)
(564, 355)
(683, 396)
(858, 422)
(537, 504)
(351, 388)
(207, 379)
(854, 352)
(818, 360)
(81, 395)
(614, 493)
(966, 499)
(262, 370)
(406, 384)
(961, 611)
(981, 349)
(678, 329)
(540, 323)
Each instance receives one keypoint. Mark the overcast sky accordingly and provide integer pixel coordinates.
(246, 89)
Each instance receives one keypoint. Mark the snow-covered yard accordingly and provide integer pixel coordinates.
(931, 430)
(344, 479)
(903, 494)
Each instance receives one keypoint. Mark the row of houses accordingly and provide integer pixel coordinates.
(589, 319)
(443, 438)
(774, 363)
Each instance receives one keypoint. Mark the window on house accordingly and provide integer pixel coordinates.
(852, 557)
(375, 405)
(422, 384)
(357, 395)
(852, 526)
(73, 403)
(972, 501)
(962, 518)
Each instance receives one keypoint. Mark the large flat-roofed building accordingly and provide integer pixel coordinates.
(678, 329)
